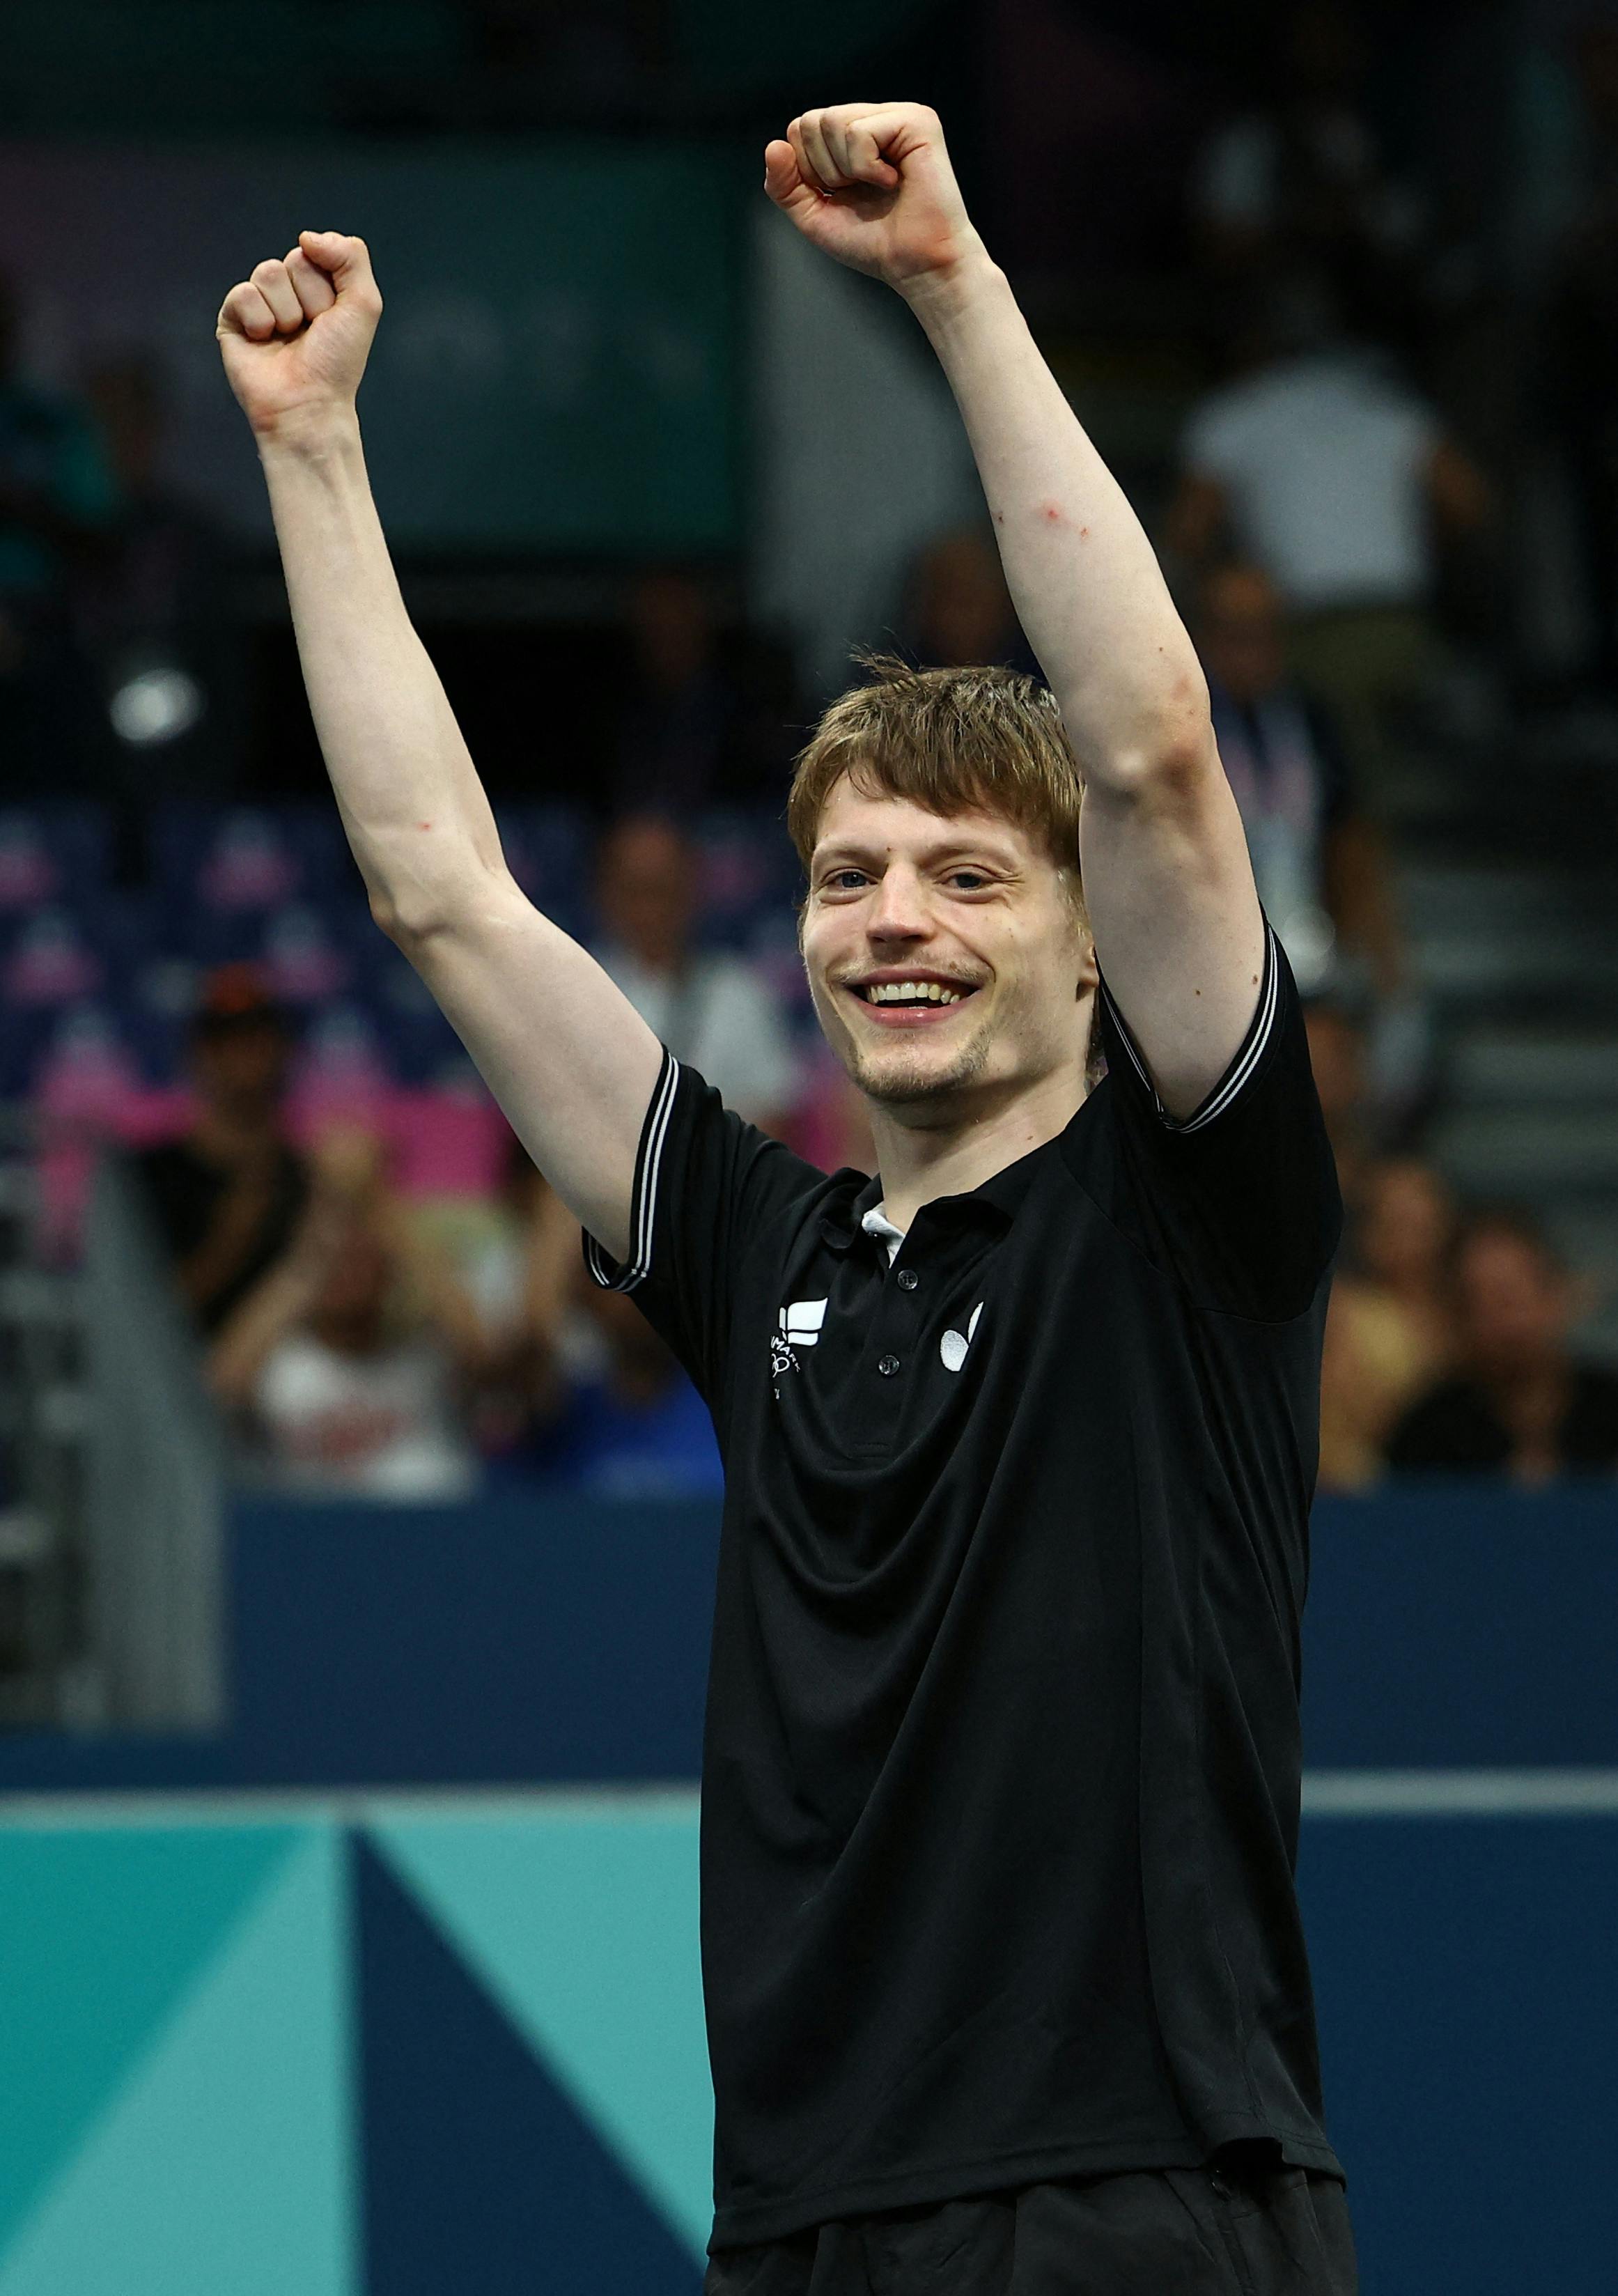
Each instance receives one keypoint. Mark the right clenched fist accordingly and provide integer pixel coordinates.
(295, 336)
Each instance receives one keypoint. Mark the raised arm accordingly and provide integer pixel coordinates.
(1167, 880)
(566, 1054)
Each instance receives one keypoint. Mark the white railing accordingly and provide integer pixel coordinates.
(155, 1486)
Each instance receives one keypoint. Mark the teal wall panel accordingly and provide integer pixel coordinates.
(102, 1935)
(224, 2163)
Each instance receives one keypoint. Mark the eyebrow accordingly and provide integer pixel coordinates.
(847, 849)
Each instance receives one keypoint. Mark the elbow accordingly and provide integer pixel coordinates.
(419, 909)
(1168, 758)
(413, 921)
(407, 924)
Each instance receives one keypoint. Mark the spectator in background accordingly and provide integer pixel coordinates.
(616, 1416)
(350, 1364)
(518, 1274)
(1336, 1053)
(227, 1198)
(636, 1429)
(1391, 1328)
(1401, 1247)
(57, 504)
(154, 610)
(711, 1010)
(1321, 866)
(1519, 1401)
(701, 724)
(1324, 470)
(959, 609)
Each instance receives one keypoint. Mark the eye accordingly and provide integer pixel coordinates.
(976, 880)
(836, 881)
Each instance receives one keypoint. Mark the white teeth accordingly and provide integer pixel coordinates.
(910, 992)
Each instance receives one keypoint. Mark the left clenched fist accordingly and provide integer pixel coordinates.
(871, 184)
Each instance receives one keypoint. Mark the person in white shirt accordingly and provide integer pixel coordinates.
(348, 1366)
(711, 1010)
(1320, 467)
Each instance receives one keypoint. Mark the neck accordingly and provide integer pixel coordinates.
(919, 1164)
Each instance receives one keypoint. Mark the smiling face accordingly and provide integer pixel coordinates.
(948, 961)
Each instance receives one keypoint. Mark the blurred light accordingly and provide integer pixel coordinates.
(156, 705)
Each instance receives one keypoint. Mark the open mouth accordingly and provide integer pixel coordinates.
(912, 1003)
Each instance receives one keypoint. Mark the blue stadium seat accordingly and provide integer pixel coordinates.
(49, 960)
(52, 855)
(246, 859)
(750, 874)
(549, 851)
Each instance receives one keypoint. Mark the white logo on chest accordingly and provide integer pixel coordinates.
(952, 1347)
(800, 1323)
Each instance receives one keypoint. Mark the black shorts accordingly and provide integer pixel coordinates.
(1258, 2230)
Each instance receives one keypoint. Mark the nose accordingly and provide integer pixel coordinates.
(900, 910)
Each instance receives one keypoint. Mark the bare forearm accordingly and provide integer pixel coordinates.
(1085, 580)
(280, 1300)
(415, 809)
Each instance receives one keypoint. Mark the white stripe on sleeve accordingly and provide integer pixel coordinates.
(638, 1266)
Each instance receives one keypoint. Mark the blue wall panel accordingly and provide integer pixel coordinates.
(1467, 1982)
(512, 1641)
(1462, 1623)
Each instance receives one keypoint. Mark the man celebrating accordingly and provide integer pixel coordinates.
(1005, 1992)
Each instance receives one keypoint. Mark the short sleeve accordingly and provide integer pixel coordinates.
(1239, 1201)
(711, 1193)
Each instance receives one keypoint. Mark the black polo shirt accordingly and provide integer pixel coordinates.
(1001, 1768)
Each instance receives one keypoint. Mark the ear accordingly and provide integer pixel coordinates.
(1090, 972)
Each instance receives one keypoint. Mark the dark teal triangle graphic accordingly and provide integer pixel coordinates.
(102, 1933)
(222, 2165)
(479, 2176)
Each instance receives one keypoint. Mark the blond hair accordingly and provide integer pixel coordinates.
(954, 741)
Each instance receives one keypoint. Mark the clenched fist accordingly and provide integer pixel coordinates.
(872, 183)
(295, 336)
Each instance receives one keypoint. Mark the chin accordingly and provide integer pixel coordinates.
(909, 1075)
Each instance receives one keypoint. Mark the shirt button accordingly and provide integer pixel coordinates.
(888, 1365)
(908, 1279)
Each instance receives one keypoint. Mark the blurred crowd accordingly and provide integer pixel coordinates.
(367, 1343)
(1339, 523)
(1450, 1339)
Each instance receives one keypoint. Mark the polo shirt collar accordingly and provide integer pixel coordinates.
(1001, 1195)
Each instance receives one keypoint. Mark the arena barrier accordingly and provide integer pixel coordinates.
(391, 1986)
